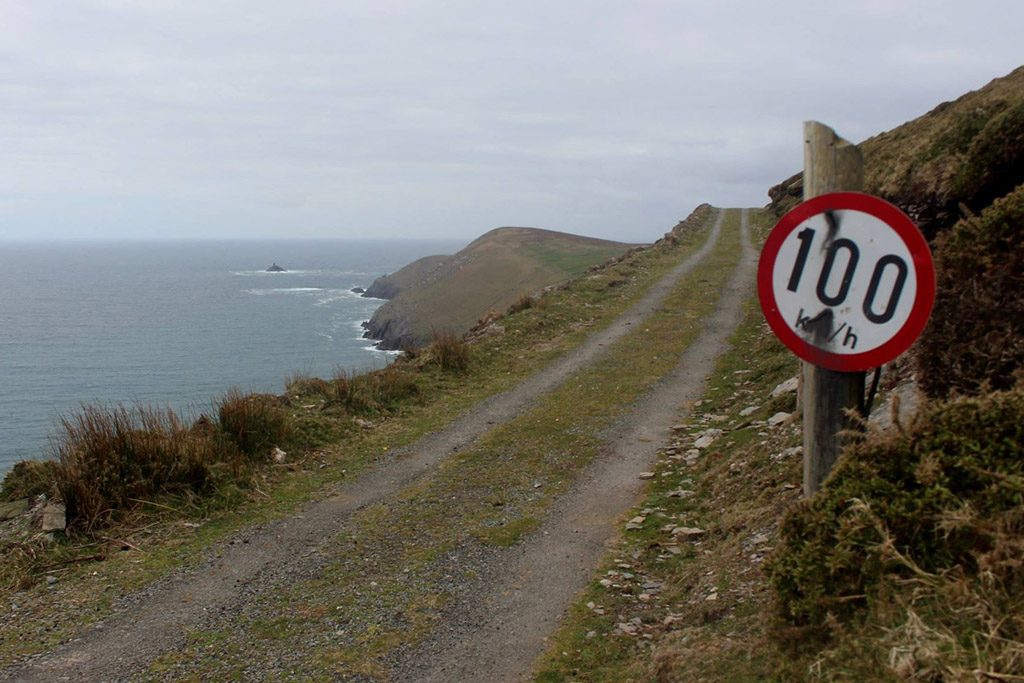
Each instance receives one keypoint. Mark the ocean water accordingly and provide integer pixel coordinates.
(176, 323)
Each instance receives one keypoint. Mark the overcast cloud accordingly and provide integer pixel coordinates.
(381, 118)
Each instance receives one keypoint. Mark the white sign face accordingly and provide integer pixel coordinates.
(846, 281)
(846, 290)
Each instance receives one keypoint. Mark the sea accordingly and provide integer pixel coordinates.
(177, 323)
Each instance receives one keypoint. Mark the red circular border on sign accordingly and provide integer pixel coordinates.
(923, 268)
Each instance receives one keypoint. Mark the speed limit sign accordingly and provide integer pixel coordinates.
(846, 281)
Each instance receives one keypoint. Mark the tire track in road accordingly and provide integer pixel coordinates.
(496, 632)
(156, 619)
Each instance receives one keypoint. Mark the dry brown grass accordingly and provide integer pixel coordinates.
(254, 423)
(371, 392)
(112, 460)
(450, 351)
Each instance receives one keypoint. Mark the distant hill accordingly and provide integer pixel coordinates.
(493, 272)
(969, 151)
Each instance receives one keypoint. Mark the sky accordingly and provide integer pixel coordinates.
(140, 119)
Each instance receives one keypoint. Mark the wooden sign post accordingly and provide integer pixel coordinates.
(846, 281)
(831, 164)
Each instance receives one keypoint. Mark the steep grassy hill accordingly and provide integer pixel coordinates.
(969, 151)
(452, 293)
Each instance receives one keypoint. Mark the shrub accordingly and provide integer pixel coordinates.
(975, 338)
(113, 459)
(254, 423)
(940, 497)
(450, 351)
(28, 479)
(995, 159)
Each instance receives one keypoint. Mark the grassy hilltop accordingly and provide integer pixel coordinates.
(452, 293)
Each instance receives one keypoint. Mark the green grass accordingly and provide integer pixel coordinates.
(571, 262)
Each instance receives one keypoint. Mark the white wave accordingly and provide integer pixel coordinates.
(386, 352)
(283, 290)
(336, 295)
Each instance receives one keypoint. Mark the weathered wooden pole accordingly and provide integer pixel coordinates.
(831, 164)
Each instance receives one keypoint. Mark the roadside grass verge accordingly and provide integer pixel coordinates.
(329, 444)
(397, 560)
(681, 595)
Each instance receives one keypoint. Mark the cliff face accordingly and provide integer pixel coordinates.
(391, 328)
(453, 292)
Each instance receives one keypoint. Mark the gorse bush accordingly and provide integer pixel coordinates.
(943, 496)
(994, 162)
(111, 460)
(254, 423)
(974, 340)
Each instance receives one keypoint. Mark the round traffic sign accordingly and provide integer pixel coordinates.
(846, 281)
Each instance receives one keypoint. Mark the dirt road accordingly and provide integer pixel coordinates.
(498, 629)
(518, 600)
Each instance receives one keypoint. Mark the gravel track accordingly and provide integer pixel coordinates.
(497, 628)
(156, 619)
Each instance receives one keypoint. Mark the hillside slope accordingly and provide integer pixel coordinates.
(495, 270)
(969, 151)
